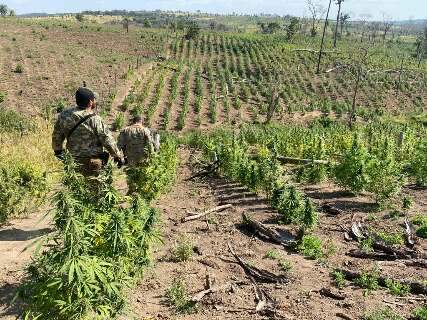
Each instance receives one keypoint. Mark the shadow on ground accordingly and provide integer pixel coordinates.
(22, 235)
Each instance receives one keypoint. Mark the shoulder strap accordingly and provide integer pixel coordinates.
(84, 119)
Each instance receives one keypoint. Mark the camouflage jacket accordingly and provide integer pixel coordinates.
(88, 140)
(136, 142)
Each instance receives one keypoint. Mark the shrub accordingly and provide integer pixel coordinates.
(183, 250)
(420, 313)
(419, 164)
(311, 247)
(3, 96)
(178, 298)
(19, 68)
(157, 173)
(391, 238)
(339, 279)
(119, 122)
(368, 280)
(396, 288)
(289, 203)
(384, 314)
(310, 215)
(351, 172)
(12, 121)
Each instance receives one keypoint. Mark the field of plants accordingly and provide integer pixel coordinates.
(278, 192)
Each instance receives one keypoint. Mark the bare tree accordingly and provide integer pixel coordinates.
(339, 3)
(364, 25)
(359, 73)
(387, 25)
(323, 38)
(316, 12)
(126, 21)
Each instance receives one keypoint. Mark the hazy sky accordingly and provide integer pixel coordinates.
(397, 9)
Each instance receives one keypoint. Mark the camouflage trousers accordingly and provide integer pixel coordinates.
(90, 167)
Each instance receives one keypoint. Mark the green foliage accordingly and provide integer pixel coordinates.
(21, 184)
(396, 288)
(422, 232)
(183, 250)
(391, 238)
(12, 121)
(178, 298)
(272, 254)
(193, 30)
(285, 265)
(351, 172)
(368, 280)
(384, 314)
(3, 95)
(119, 121)
(419, 164)
(339, 279)
(157, 173)
(420, 313)
(100, 244)
(311, 247)
(407, 202)
(367, 245)
(289, 203)
(310, 215)
(19, 68)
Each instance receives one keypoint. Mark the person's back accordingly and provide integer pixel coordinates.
(86, 135)
(137, 142)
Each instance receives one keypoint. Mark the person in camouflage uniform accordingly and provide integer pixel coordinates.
(137, 142)
(86, 134)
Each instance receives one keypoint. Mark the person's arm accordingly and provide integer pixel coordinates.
(58, 138)
(106, 138)
(154, 139)
(121, 142)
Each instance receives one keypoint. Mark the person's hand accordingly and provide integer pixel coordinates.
(59, 154)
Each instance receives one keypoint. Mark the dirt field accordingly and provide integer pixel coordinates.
(298, 299)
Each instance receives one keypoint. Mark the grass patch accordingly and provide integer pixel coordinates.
(420, 313)
(311, 247)
(383, 314)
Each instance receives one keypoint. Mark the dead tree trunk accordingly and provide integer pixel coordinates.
(323, 38)
(356, 90)
(338, 19)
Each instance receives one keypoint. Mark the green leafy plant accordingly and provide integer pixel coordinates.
(420, 313)
(119, 121)
(272, 254)
(285, 265)
(157, 173)
(177, 297)
(368, 280)
(351, 172)
(99, 248)
(3, 95)
(339, 279)
(419, 163)
(183, 250)
(396, 288)
(19, 68)
(391, 238)
(311, 247)
(384, 314)
(407, 202)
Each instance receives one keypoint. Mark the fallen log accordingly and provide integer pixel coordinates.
(267, 232)
(355, 253)
(200, 295)
(292, 160)
(415, 287)
(258, 274)
(209, 169)
(202, 214)
(332, 210)
(421, 263)
(328, 293)
(314, 51)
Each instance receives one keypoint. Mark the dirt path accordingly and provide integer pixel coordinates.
(14, 238)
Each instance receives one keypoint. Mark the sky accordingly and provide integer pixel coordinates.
(396, 9)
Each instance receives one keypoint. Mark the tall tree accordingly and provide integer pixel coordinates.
(387, 25)
(3, 10)
(339, 3)
(344, 20)
(323, 38)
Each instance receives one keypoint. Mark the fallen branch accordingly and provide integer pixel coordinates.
(332, 210)
(267, 232)
(415, 287)
(292, 160)
(410, 231)
(200, 215)
(355, 253)
(314, 51)
(328, 293)
(199, 296)
(258, 274)
(209, 169)
(422, 263)
(343, 316)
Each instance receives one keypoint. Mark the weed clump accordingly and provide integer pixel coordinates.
(384, 314)
(183, 250)
(311, 247)
(178, 298)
